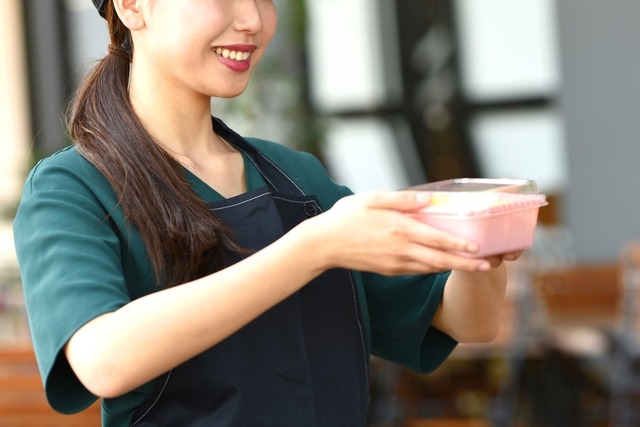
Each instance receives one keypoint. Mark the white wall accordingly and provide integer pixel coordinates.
(600, 45)
(348, 58)
(508, 48)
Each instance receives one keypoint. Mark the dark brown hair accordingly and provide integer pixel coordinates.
(183, 238)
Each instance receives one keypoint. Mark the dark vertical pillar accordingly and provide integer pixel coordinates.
(49, 75)
(431, 83)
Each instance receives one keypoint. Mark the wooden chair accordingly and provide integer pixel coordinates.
(447, 422)
(22, 399)
(583, 295)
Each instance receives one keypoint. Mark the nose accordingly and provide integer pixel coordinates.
(248, 16)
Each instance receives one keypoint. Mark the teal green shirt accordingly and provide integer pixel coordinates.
(79, 259)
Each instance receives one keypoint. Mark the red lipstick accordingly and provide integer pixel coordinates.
(236, 57)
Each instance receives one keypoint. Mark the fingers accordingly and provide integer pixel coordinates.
(495, 260)
(438, 239)
(424, 259)
(404, 201)
(512, 256)
(411, 201)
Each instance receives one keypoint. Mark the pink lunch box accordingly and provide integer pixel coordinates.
(498, 221)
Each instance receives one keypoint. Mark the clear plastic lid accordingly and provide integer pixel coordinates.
(503, 185)
(480, 203)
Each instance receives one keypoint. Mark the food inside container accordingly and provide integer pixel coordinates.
(498, 221)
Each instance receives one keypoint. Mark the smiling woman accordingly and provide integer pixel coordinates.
(190, 276)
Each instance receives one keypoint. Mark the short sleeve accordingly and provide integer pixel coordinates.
(401, 310)
(70, 263)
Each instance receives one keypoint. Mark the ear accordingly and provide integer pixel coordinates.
(130, 13)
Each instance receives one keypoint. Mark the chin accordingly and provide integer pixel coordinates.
(229, 95)
(227, 92)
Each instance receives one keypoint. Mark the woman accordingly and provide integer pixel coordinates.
(189, 276)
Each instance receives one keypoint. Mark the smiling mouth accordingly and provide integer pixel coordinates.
(235, 55)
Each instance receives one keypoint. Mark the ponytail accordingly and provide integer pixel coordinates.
(184, 240)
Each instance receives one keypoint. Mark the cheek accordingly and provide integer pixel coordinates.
(269, 31)
(188, 44)
(269, 19)
(273, 24)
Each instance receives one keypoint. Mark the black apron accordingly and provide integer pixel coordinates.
(302, 363)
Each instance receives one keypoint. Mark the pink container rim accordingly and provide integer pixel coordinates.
(464, 205)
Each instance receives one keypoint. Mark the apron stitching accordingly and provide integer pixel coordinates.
(280, 170)
(241, 203)
(300, 202)
(154, 402)
(355, 307)
(258, 168)
(230, 139)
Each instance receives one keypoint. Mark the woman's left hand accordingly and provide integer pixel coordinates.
(471, 307)
(496, 260)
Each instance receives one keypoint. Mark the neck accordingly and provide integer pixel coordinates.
(179, 119)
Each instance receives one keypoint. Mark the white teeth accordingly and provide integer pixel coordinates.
(232, 54)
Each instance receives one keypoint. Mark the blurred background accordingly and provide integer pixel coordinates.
(394, 93)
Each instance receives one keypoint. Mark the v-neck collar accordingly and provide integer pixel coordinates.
(207, 193)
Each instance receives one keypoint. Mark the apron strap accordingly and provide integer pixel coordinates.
(274, 176)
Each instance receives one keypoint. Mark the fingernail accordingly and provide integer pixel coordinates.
(485, 266)
(472, 247)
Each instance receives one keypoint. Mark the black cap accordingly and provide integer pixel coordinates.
(100, 5)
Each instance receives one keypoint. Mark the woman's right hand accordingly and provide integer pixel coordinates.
(373, 232)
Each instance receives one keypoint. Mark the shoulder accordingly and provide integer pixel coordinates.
(67, 188)
(286, 157)
(66, 158)
(66, 169)
(304, 168)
